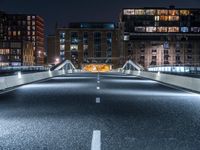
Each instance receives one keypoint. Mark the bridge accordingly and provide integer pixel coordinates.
(125, 109)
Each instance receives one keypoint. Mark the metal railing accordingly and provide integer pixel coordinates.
(24, 68)
(175, 68)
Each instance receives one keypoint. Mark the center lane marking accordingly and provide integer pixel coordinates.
(96, 140)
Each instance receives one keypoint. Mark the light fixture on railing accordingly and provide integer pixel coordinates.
(19, 74)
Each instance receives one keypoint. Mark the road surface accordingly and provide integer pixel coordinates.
(112, 111)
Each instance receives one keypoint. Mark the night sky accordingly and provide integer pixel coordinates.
(65, 11)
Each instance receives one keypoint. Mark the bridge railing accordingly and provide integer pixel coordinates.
(19, 79)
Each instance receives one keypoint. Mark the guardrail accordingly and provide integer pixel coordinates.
(24, 68)
(175, 69)
(21, 79)
(179, 81)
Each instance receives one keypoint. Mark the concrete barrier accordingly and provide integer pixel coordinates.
(180, 81)
(21, 79)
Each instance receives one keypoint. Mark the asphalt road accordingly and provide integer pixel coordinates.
(125, 113)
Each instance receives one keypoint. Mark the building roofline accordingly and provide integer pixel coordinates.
(167, 8)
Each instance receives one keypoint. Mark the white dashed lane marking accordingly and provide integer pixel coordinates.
(96, 140)
(98, 100)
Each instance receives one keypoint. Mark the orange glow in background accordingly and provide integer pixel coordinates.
(97, 68)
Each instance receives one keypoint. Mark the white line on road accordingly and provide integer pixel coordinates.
(96, 140)
(98, 88)
(98, 100)
(98, 81)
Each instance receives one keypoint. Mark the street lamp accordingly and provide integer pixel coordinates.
(57, 60)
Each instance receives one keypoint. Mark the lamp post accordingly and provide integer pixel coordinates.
(57, 60)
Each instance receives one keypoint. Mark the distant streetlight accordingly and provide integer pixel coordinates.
(57, 60)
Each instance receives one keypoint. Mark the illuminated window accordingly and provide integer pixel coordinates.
(74, 38)
(33, 38)
(62, 35)
(73, 47)
(28, 17)
(33, 27)
(163, 18)
(29, 23)
(184, 29)
(150, 29)
(184, 12)
(85, 47)
(14, 33)
(109, 45)
(166, 45)
(129, 12)
(162, 12)
(4, 51)
(150, 12)
(62, 41)
(156, 24)
(162, 29)
(173, 18)
(33, 33)
(62, 53)
(18, 33)
(157, 18)
(173, 12)
(62, 47)
(28, 27)
(33, 22)
(195, 29)
(173, 29)
(139, 29)
(139, 12)
(33, 17)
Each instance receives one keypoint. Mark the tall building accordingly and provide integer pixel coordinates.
(16, 53)
(161, 36)
(24, 27)
(87, 42)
